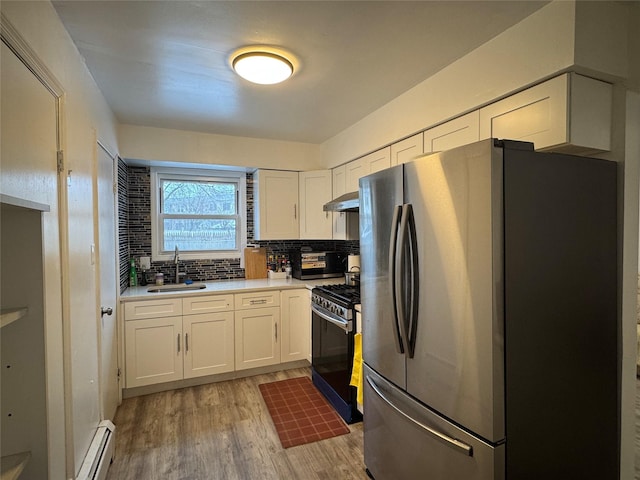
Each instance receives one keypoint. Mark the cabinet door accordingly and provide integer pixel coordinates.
(407, 150)
(378, 160)
(208, 344)
(276, 205)
(569, 111)
(353, 171)
(257, 337)
(315, 190)
(339, 187)
(296, 320)
(153, 350)
(536, 115)
(454, 133)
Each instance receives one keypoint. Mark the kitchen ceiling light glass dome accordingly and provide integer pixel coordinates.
(262, 67)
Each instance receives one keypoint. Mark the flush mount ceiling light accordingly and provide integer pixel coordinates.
(261, 65)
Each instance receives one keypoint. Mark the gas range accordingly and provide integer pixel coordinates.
(336, 302)
(332, 345)
(345, 295)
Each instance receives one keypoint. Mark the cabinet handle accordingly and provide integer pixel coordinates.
(178, 343)
(186, 342)
(295, 211)
(258, 302)
(276, 325)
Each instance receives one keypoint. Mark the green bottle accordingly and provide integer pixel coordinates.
(133, 274)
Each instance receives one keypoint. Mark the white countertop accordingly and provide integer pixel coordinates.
(228, 286)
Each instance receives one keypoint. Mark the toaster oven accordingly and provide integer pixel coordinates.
(311, 265)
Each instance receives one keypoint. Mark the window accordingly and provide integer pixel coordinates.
(202, 212)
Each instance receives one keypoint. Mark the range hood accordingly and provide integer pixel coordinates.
(349, 202)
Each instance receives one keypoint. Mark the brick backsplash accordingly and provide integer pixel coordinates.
(135, 234)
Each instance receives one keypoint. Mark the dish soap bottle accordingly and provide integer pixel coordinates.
(133, 274)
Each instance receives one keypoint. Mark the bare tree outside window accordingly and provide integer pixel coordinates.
(199, 215)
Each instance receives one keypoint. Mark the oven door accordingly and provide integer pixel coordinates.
(332, 350)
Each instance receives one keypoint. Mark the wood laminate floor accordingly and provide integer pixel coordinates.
(222, 431)
(637, 449)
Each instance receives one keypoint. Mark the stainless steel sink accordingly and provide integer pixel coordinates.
(181, 287)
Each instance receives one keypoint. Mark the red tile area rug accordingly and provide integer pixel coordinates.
(300, 413)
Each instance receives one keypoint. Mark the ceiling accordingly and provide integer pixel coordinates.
(166, 63)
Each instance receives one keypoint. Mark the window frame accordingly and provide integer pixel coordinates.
(158, 174)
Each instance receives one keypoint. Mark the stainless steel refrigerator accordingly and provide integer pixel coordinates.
(490, 305)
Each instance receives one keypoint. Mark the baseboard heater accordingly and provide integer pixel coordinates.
(96, 462)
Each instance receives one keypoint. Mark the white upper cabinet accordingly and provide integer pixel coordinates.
(371, 163)
(353, 171)
(376, 161)
(454, 133)
(567, 113)
(407, 150)
(276, 209)
(345, 224)
(315, 190)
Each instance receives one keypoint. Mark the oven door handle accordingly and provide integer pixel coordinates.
(344, 325)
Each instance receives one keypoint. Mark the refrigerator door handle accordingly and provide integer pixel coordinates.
(400, 287)
(397, 212)
(452, 442)
(414, 289)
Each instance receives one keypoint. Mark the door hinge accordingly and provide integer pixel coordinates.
(60, 159)
(119, 372)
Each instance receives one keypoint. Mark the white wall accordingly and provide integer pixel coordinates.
(160, 144)
(536, 48)
(85, 112)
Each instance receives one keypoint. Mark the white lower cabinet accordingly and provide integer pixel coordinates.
(208, 344)
(295, 316)
(212, 334)
(153, 350)
(257, 337)
(175, 347)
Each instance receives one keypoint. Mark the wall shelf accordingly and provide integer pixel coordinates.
(10, 315)
(13, 465)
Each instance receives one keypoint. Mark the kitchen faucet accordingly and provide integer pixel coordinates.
(176, 260)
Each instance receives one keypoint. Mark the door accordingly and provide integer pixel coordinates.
(407, 150)
(105, 202)
(277, 212)
(406, 441)
(208, 344)
(296, 320)
(457, 368)
(257, 342)
(153, 350)
(315, 191)
(380, 194)
(454, 133)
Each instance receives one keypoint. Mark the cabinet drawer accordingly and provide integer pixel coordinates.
(153, 309)
(207, 304)
(247, 300)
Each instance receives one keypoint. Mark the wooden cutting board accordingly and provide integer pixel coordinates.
(255, 263)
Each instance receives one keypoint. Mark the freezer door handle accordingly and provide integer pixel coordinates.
(393, 245)
(452, 442)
